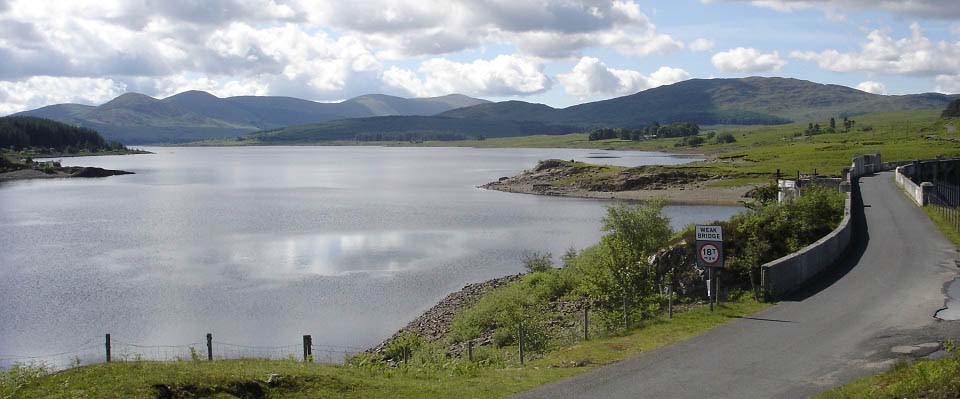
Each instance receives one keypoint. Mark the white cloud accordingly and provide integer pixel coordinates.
(544, 28)
(218, 86)
(702, 44)
(746, 60)
(591, 77)
(505, 75)
(949, 84)
(939, 9)
(872, 87)
(38, 91)
(315, 49)
(914, 55)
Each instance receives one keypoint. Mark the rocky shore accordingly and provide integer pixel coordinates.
(576, 179)
(59, 173)
(434, 324)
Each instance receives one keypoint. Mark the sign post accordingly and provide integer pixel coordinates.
(710, 256)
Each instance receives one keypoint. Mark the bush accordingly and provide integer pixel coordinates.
(536, 261)
(726, 138)
(403, 347)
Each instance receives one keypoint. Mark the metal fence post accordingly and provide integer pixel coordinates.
(106, 344)
(209, 346)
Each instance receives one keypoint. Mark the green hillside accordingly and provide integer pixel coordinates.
(746, 101)
(197, 115)
(405, 128)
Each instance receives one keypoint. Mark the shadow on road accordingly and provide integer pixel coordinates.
(858, 245)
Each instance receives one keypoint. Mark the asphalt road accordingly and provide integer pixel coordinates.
(840, 328)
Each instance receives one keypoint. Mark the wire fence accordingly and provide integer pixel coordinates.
(945, 199)
(105, 349)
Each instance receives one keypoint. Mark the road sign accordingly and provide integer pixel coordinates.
(709, 246)
(710, 253)
(709, 233)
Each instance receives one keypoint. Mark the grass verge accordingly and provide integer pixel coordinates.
(946, 228)
(930, 379)
(455, 379)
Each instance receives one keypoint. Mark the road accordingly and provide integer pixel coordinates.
(840, 328)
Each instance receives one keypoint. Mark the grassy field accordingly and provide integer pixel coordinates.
(450, 379)
(929, 379)
(764, 149)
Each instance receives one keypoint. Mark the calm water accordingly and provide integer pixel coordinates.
(260, 245)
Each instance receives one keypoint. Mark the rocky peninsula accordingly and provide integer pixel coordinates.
(680, 186)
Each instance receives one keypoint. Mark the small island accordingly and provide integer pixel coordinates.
(24, 138)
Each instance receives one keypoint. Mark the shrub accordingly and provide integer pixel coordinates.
(403, 347)
(726, 138)
(536, 261)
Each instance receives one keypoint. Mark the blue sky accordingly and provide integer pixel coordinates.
(558, 52)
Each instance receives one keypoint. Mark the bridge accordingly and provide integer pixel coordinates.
(873, 307)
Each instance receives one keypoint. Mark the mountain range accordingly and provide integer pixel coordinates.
(193, 115)
(134, 118)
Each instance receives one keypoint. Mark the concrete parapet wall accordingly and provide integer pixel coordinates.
(790, 272)
(913, 190)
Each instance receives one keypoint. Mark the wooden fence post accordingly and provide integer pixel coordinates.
(307, 348)
(670, 300)
(106, 344)
(586, 323)
(209, 346)
(520, 340)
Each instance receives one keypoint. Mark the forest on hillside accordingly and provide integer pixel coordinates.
(23, 132)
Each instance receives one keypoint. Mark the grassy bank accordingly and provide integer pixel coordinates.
(453, 378)
(945, 227)
(930, 379)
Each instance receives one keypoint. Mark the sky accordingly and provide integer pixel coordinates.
(556, 52)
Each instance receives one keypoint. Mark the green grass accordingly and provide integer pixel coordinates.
(456, 379)
(930, 379)
(946, 228)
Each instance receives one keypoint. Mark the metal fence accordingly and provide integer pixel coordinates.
(107, 349)
(945, 198)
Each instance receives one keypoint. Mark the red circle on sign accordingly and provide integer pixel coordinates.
(709, 254)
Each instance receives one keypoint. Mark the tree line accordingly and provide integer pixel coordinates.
(815, 128)
(413, 137)
(655, 130)
(23, 132)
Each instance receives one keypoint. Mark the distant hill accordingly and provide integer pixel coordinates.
(396, 126)
(745, 101)
(195, 115)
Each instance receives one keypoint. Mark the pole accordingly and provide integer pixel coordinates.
(209, 346)
(307, 348)
(626, 319)
(670, 299)
(710, 293)
(717, 292)
(586, 323)
(520, 340)
(470, 350)
(106, 344)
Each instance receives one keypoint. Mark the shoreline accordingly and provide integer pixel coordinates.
(70, 172)
(559, 178)
(698, 194)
